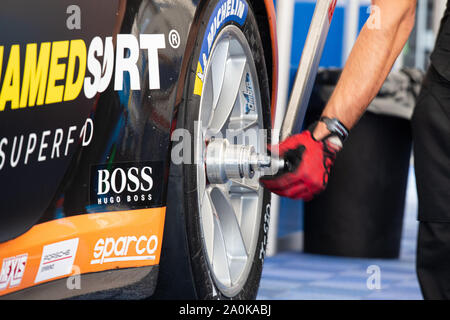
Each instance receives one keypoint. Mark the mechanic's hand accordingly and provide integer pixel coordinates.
(307, 166)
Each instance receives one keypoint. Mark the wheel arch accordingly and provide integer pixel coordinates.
(266, 19)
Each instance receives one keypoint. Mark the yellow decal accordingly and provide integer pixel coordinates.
(54, 72)
(11, 82)
(44, 77)
(77, 51)
(35, 75)
(57, 72)
(1, 60)
(198, 86)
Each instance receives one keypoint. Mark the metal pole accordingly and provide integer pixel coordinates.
(307, 70)
(304, 81)
(421, 29)
(285, 22)
(351, 27)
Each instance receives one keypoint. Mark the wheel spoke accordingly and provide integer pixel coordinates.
(225, 97)
(249, 225)
(201, 173)
(242, 123)
(234, 243)
(248, 184)
(217, 69)
(220, 263)
(207, 219)
(242, 129)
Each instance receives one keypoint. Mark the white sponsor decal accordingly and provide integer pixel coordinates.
(41, 79)
(126, 248)
(12, 272)
(130, 185)
(44, 146)
(57, 260)
(128, 180)
(127, 55)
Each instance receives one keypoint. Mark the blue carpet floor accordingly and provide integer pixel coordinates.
(300, 276)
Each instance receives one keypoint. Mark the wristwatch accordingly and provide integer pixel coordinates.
(336, 128)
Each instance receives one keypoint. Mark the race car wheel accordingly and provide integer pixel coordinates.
(228, 98)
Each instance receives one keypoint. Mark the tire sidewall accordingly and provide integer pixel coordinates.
(204, 283)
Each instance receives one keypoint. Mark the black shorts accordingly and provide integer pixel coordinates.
(433, 260)
(431, 137)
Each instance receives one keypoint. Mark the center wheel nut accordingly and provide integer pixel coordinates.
(225, 161)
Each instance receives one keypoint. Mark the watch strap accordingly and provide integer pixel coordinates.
(336, 128)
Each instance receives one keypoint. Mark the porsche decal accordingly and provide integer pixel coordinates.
(57, 259)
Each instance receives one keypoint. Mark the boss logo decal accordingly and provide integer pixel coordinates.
(128, 184)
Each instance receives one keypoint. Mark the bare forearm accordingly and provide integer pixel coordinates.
(368, 65)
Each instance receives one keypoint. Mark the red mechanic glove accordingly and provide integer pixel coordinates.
(307, 166)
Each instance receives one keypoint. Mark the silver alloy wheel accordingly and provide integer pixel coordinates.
(230, 108)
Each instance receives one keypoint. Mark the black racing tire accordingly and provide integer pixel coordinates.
(205, 286)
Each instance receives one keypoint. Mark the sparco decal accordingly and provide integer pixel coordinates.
(56, 71)
(129, 184)
(43, 146)
(12, 271)
(126, 248)
(225, 11)
(57, 259)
